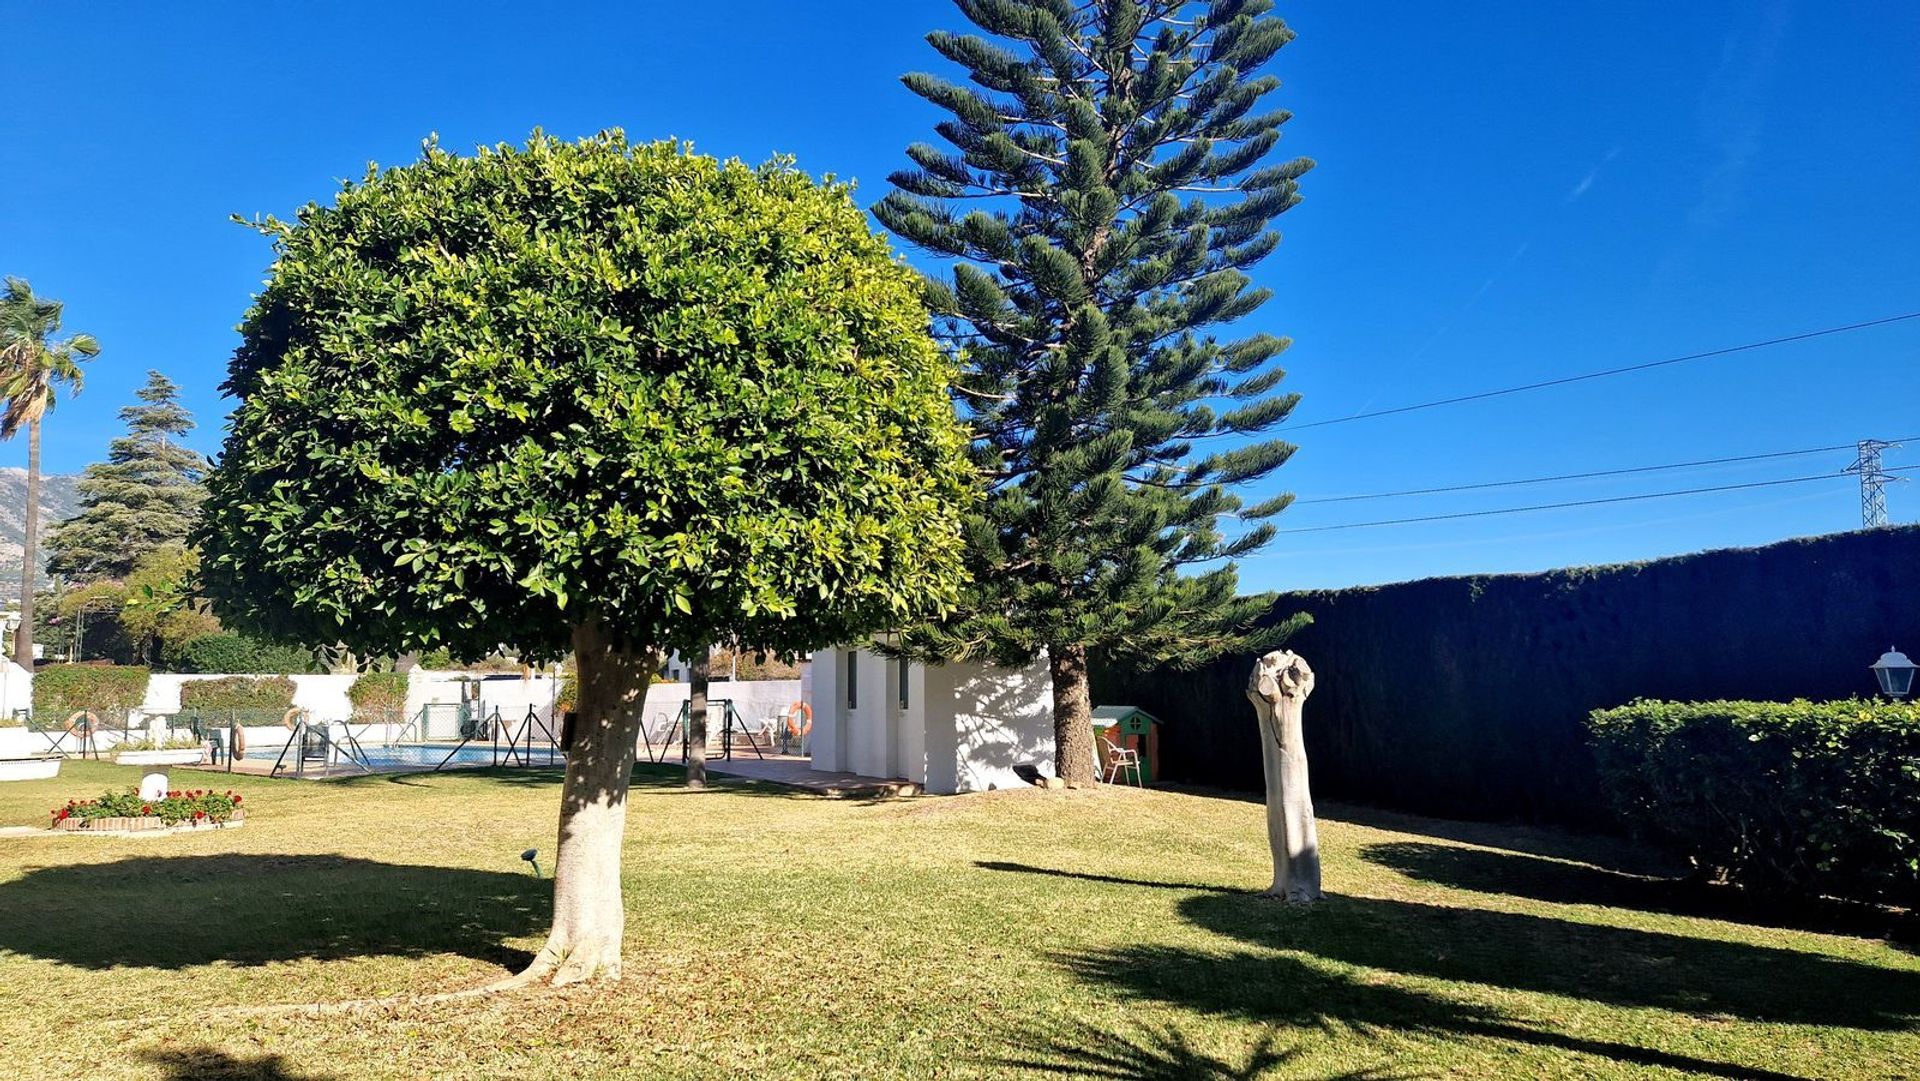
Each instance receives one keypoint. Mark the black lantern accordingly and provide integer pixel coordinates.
(1895, 673)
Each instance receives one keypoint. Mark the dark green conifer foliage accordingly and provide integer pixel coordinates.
(143, 497)
(1108, 185)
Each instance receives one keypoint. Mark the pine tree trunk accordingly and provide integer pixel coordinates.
(23, 637)
(1072, 714)
(698, 674)
(588, 916)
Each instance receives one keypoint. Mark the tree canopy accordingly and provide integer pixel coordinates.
(1104, 193)
(485, 399)
(144, 497)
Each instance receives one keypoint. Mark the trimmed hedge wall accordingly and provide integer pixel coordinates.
(1469, 696)
(61, 689)
(1797, 797)
(379, 693)
(238, 692)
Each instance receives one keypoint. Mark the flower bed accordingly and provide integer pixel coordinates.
(125, 810)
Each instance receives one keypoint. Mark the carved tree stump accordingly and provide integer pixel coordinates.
(1278, 688)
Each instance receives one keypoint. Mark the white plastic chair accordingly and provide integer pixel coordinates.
(1121, 759)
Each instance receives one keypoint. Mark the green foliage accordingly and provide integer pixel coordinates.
(1103, 198)
(488, 399)
(162, 604)
(33, 363)
(238, 654)
(379, 692)
(90, 617)
(62, 689)
(1806, 797)
(176, 807)
(268, 693)
(164, 743)
(142, 498)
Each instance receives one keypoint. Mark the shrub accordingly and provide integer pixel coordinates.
(60, 690)
(168, 743)
(238, 692)
(192, 805)
(238, 654)
(1804, 797)
(379, 692)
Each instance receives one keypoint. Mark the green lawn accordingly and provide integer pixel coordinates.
(1107, 933)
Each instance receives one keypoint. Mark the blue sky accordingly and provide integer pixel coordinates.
(1512, 192)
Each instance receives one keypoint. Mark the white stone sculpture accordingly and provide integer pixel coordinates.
(1278, 688)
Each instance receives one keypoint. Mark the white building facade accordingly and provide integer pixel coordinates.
(948, 728)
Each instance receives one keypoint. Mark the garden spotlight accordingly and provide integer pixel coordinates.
(532, 856)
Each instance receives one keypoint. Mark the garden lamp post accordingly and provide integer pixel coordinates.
(1895, 673)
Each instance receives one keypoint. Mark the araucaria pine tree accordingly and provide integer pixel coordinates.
(145, 496)
(1107, 187)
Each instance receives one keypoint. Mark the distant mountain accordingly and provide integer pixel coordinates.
(59, 499)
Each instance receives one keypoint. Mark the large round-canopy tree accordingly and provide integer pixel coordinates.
(595, 396)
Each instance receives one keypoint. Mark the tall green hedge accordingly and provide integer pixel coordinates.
(220, 654)
(238, 692)
(379, 693)
(59, 690)
(1803, 797)
(1469, 696)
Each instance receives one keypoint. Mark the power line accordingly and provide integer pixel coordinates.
(1589, 475)
(1581, 502)
(1564, 380)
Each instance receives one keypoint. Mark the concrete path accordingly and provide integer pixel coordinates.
(797, 772)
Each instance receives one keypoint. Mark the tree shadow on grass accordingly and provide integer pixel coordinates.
(1163, 1053)
(1483, 871)
(1274, 988)
(213, 1064)
(180, 911)
(1615, 966)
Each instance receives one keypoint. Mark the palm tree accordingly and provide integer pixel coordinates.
(33, 365)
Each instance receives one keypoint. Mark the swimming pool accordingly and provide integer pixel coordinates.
(423, 756)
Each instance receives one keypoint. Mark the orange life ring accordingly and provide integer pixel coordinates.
(794, 712)
(93, 722)
(239, 748)
(292, 716)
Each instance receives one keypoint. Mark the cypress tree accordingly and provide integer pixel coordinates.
(1107, 186)
(143, 497)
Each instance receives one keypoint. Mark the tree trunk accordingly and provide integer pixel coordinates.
(588, 917)
(1278, 688)
(1072, 715)
(699, 671)
(23, 637)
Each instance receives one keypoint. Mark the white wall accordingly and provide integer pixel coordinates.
(965, 727)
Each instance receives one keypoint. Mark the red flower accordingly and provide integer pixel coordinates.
(199, 815)
(236, 801)
(146, 808)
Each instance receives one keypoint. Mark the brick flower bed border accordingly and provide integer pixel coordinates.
(143, 824)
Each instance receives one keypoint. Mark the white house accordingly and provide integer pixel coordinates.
(948, 728)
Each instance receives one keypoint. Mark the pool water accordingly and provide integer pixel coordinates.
(428, 756)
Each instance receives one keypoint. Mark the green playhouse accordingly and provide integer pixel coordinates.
(1129, 728)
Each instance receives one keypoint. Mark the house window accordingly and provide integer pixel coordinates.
(903, 683)
(853, 679)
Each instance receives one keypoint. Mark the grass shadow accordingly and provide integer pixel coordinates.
(1029, 869)
(213, 1064)
(1560, 882)
(1270, 988)
(1163, 1053)
(1615, 966)
(173, 912)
